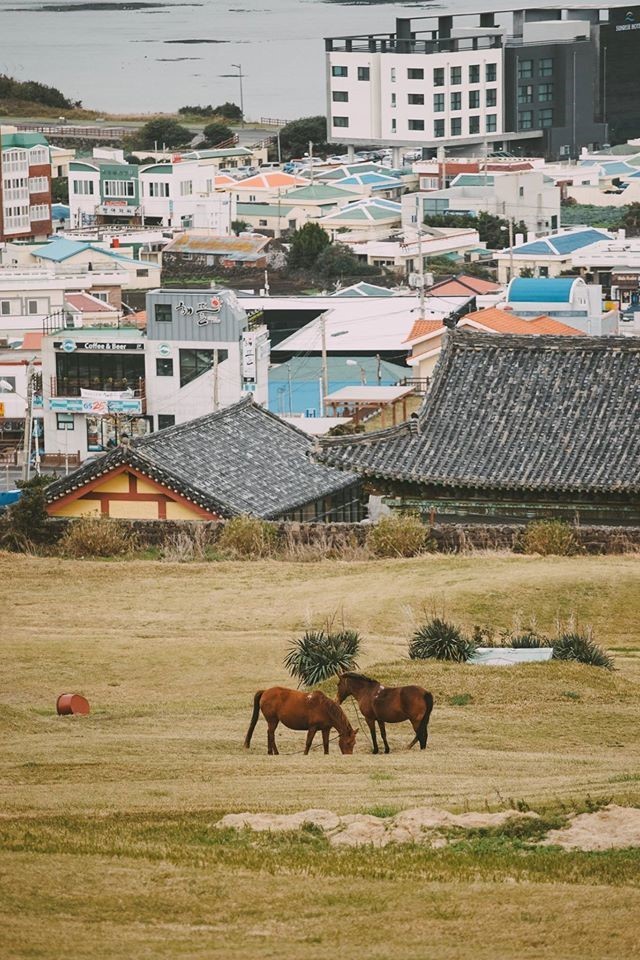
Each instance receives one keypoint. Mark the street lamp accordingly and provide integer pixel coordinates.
(238, 67)
(363, 372)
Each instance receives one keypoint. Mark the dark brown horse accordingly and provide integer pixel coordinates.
(301, 711)
(388, 705)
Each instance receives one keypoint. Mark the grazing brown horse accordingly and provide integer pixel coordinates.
(301, 711)
(388, 705)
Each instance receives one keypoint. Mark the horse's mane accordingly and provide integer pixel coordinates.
(338, 715)
(359, 676)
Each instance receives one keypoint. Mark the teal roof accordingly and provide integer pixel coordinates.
(205, 154)
(363, 289)
(318, 191)
(263, 209)
(158, 168)
(77, 166)
(560, 244)
(541, 289)
(473, 180)
(367, 210)
(23, 139)
(61, 248)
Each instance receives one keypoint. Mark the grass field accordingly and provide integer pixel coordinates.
(107, 829)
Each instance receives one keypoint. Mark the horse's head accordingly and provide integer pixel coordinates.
(347, 740)
(343, 688)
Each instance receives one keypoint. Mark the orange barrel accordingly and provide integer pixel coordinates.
(72, 703)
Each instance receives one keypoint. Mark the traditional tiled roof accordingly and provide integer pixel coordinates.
(242, 459)
(516, 413)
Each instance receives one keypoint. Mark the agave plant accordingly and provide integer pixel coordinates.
(320, 654)
(438, 639)
(527, 639)
(573, 645)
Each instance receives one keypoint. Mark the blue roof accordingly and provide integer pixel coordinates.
(561, 244)
(615, 167)
(370, 179)
(60, 211)
(541, 289)
(60, 248)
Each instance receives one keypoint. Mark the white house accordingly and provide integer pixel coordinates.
(568, 299)
(547, 256)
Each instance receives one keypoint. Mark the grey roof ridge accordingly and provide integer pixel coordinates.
(182, 428)
(352, 439)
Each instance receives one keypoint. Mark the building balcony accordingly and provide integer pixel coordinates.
(391, 43)
(66, 392)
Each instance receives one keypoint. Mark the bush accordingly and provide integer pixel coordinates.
(320, 654)
(437, 639)
(246, 536)
(580, 646)
(25, 522)
(550, 538)
(215, 133)
(528, 639)
(97, 537)
(187, 545)
(402, 535)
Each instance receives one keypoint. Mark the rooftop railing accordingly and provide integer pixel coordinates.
(391, 43)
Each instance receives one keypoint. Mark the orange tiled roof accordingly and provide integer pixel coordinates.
(32, 341)
(499, 321)
(87, 303)
(267, 181)
(463, 286)
(421, 328)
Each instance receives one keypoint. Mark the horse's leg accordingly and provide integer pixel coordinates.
(372, 730)
(271, 737)
(310, 735)
(325, 738)
(415, 724)
(383, 733)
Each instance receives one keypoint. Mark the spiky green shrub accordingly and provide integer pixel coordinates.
(550, 538)
(574, 645)
(401, 535)
(319, 654)
(437, 639)
(97, 537)
(248, 537)
(528, 639)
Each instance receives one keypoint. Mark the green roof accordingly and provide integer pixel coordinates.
(77, 166)
(264, 209)
(473, 180)
(230, 152)
(23, 139)
(318, 191)
(158, 168)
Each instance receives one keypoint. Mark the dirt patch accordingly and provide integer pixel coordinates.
(420, 825)
(612, 827)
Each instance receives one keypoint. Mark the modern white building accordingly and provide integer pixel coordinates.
(567, 299)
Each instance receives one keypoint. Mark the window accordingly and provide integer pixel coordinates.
(262, 223)
(11, 381)
(142, 273)
(83, 187)
(393, 100)
(525, 120)
(339, 72)
(160, 189)
(186, 188)
(32, 306)
(545, 92)
(363, 73)
(492, 98)
(5, 308)
(162, 313)
(438, 77)
(193, 363)
(492, 123)
(521, 191)
(456, 126)
(416, 99)
(545, 67)
(545, 118)
(416, 124)
(474, 99)
(100, 295)
(341, 121)
(291, 224)
(38, 185)
(414, 73)
(525, 94)
(119, 188)
(456, 75)
(393, 74)
(165, 420)
(474, 124)
(543, 271)
(394, 125)
(340, 96)
(456, 101)
(438, 128)
(474, 73)
(490, 72)
(64, 421)
(164, 367)
(525, 69)
(438, 102)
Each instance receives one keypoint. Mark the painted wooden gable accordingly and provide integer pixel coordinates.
(126, 493)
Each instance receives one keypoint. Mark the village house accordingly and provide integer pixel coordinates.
(199, 251)
(239, 460)
(25, 185)
(547, 256)
(568, 299)
(363, 220)
(403, 256)
(508, 433)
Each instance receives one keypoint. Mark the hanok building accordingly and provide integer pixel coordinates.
(514, 428)
(240, 460)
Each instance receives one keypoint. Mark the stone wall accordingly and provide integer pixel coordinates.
(448, 538)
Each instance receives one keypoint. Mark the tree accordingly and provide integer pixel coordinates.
(163, 132)
(295, 136)
(493, 231)
(631, 220)
(230, 111)
(26, 520)
(307, 244)
(60, 189)
(338, 260)
(215, 133)
(240, 226)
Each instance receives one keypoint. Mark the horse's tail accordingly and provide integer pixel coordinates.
(254, 719)
(421, 732)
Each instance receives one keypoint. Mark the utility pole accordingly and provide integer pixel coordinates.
(28, 419)
(238, 67)
(510, 248)
(420, 258)
(216, 393)
(379, 368)
(324, 379)
(311, 160)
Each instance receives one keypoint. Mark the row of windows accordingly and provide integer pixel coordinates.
(39, 212)
(526, 68)
(439, 73)
(526, 94)
(525, 119)
(193, 363)
(14, 183)
(418, 99)
(83, 187)
(119, 188)
(158, 189)
(31, 308)
(439, 126)
(38, 185)
(20, 211)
